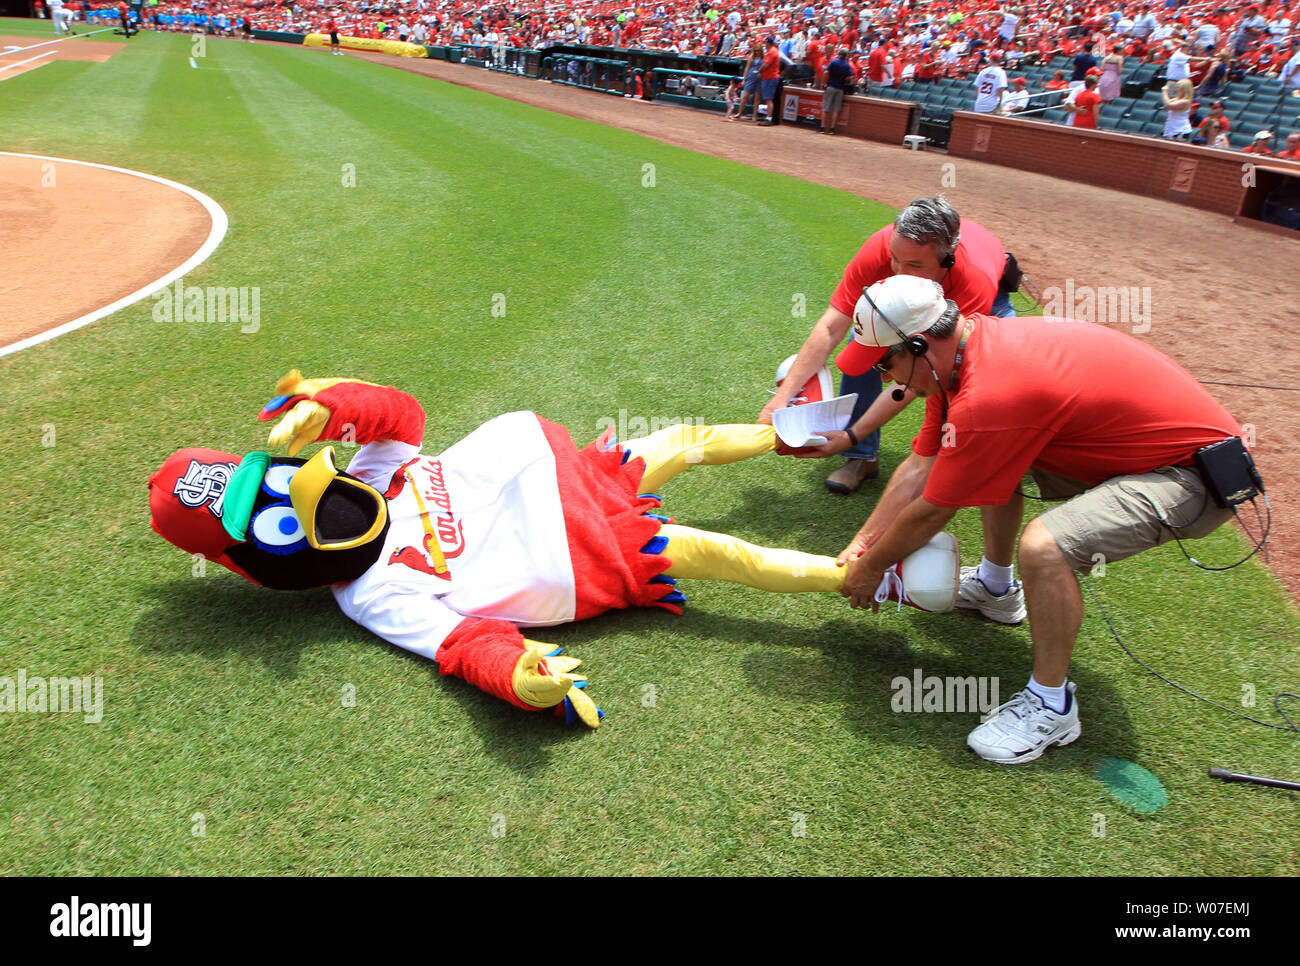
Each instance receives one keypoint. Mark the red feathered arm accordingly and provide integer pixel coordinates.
(346, 410)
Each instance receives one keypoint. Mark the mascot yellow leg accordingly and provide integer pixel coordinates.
(702, 555)
(677, 448)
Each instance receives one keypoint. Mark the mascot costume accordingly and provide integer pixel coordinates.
(456, 556)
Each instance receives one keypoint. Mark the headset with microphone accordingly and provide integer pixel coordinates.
(917, 346)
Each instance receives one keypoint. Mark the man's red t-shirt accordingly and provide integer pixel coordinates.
(972, 283)
(876, 64)
(1076, 399)
(771, 68)
(1086, 99)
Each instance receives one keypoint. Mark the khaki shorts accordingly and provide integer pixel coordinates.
(832, 99)
(1125, 515)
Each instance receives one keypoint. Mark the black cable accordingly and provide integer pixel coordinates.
(1265, 530)
(1277, 699)
(1249, 385)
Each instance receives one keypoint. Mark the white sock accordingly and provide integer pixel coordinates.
(996, 578)
(1054, 698)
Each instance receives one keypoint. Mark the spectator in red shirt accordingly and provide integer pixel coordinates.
(1292, 152)
(1086, 107)
(769, 76)
(1260, 144)
(876, 61)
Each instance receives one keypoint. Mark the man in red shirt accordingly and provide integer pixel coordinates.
(1087, 104)
(768, 77)
(1260, 144)
(931, 240)
(876, 62)
(1292, 152)
(1056, 398)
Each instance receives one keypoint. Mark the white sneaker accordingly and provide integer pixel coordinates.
(1022, 729)
(973, 595)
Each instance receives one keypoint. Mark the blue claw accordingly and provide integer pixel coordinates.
(663, 579)
(555, 653)
(275, 403)
(676, 597)
(656, 545)
(658, 516)
(570, 714)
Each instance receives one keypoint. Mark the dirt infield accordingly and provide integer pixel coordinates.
(112, 232)
(76, 49)
(1217, 288)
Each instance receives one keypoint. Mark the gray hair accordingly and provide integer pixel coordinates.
(929, 221)
(946, 324)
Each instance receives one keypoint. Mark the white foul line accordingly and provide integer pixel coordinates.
(27, 61)
(219, 224)
(62, 39)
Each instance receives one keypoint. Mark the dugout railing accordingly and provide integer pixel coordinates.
(690, 87)
(516, 60)
(590, 73)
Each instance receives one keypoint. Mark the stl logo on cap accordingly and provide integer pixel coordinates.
(204, 484)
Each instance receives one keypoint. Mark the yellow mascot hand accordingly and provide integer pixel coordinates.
(301, 425)
(546, 685)
(302, 414)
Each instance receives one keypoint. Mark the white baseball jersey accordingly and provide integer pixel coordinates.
(490, 507)
(990, 83)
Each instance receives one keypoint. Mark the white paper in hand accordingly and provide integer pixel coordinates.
(802, 425)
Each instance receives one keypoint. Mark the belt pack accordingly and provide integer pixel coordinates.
(1229, 472)
(1011, 276)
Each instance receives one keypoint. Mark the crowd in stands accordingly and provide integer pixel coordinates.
(899, 44)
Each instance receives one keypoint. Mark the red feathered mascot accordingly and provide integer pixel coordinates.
(454, 556)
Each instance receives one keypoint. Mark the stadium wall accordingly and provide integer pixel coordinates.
(1201, 177)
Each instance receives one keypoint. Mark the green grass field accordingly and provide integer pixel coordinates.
(753, 735)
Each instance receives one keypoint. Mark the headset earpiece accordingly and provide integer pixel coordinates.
(917, 345)
(949, 260)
